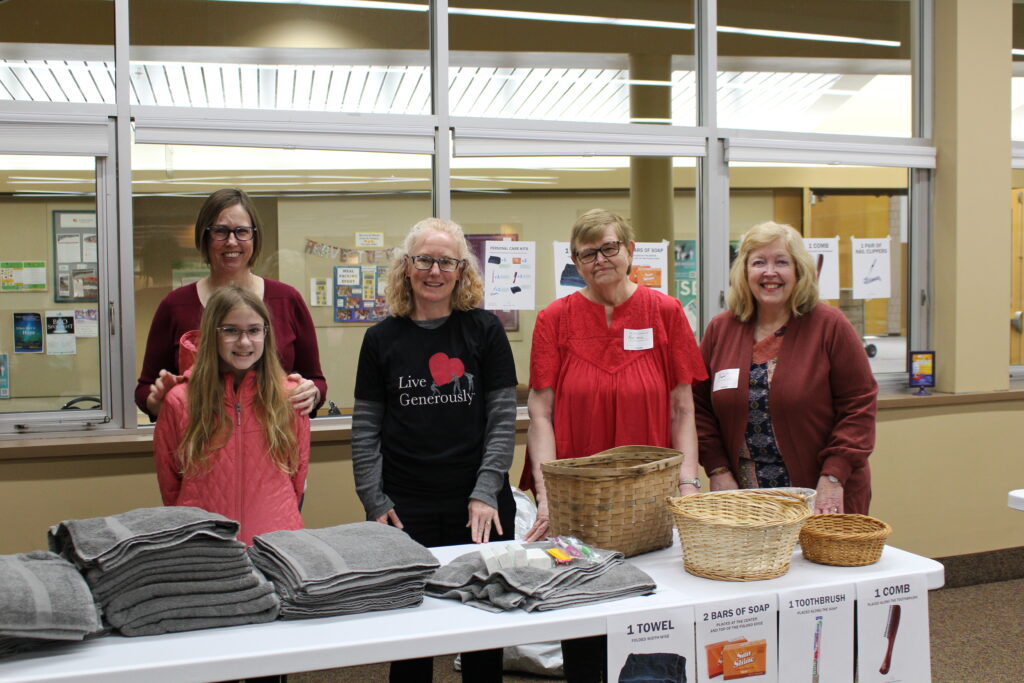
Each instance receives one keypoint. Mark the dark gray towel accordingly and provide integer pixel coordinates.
(193, 552)
(177, 624)
(247, 601)
(170, 589)
(213, 572)
(109, 542)
(43, 596)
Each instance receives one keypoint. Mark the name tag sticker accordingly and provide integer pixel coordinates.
(638, 340)
(726, 379)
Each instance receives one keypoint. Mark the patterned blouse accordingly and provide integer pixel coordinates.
(761, 464)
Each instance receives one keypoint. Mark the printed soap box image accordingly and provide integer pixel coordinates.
(714, 653)
(740, 660)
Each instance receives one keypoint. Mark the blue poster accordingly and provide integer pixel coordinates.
(28, 333)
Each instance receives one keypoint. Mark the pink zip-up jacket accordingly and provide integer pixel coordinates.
(243, 483)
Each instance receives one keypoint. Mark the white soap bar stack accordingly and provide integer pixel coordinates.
(513, 555)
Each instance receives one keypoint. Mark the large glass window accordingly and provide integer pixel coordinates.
(57, 51)
(312, 204)
(50, 272)
(815, 66)
(354, 57)
(833, 207)
(573, 61)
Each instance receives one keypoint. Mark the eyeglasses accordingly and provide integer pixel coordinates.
(230, 333)
(445, 263)
(608, 249)
(243, 233)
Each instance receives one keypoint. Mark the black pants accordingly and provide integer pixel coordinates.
(436, 523)
(585, 660)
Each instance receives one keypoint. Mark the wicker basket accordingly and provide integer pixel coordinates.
(614, 499)
(738, 535)
(844, 540)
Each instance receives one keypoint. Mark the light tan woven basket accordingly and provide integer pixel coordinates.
(738, 535)
(614, 499)
(844, 540)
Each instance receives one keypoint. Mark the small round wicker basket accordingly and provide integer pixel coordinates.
(738, 535)
(844, 540)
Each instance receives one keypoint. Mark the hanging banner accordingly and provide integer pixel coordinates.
(816, 634)
(650, 265)
(656, 645)
(871, 272)
(567, 277)
(892, 630)
(686, 280)
(825, 254)
(509, 273)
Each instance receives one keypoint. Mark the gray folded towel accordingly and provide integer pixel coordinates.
(43, 596)
(108, 542)
(170, 589)
(190, 623)
(247, 601)
(533, 589)
(193, 552)
(224, 570)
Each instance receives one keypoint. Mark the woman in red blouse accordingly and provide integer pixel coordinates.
(790, 398)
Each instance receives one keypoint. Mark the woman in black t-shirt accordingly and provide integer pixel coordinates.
(433, 429)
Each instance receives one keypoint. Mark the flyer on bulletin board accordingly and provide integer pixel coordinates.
(359, 294)
(60, 333)
(5, 377)
(28, 333)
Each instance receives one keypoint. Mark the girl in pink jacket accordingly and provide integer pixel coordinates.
(227, 439)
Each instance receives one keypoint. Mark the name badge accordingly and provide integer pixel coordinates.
(726, 379)
(638, 340)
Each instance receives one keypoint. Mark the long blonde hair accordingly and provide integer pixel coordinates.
(469, 289)
(740, 300)
(209, 425)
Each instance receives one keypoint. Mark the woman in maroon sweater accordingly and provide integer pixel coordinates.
(227, 234)
(777, 340)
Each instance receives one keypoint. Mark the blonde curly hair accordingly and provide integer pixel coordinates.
(740, 300)
(469, 288)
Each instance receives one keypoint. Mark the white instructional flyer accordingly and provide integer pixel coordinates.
(509, 275)
(892, 630)
(738, 639)
(87, 323)
(816, 634)
(651, 646)
(650, 265)
(825, 253)
(60, 333)
(872, 277)
(567, 277)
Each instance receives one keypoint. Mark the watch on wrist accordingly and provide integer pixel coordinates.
(693, 482)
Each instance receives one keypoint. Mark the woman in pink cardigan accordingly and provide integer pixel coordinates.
(790, 398)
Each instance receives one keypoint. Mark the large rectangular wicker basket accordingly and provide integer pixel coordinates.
(614, 499)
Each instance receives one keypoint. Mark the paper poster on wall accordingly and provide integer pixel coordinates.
(892, 630)
(60, 333)
(686, 280)
(320, 291)
(567, 277)
(655, 645)
(356, 295)
(737, 639)
(871, 273)
(367, 240)
(23, 276)
(509, 272)
(76, 256)
(825, 254)
(86, 322)
(816, 634)
(650, 265)
(28, 333)
(5, 377)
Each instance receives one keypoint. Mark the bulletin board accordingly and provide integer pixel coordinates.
(75, 257)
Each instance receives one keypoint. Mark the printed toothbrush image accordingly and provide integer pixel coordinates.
(817, 648)
(891, 627)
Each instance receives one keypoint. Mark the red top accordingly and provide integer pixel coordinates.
(606, 395)
(822, 399)
(181, 311)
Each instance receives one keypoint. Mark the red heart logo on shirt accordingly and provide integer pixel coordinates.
(443, 368)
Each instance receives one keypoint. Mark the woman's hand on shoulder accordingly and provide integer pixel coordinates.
(303, 395)
(165, 381)
(481, 516)
(390, 517)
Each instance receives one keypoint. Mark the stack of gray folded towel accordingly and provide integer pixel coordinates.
(43, 599)
(466, 578)
(346, 569)
(167, 569)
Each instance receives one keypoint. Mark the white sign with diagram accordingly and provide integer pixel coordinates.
(509, 275)
(872, 277)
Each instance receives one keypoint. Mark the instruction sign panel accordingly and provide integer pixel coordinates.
(738, 639)
(892, 630)
(816, 634)
(656, 645)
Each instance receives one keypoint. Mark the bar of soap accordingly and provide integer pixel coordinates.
(536, 557)
(504, 557)
(490, 558)
(518, 554)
